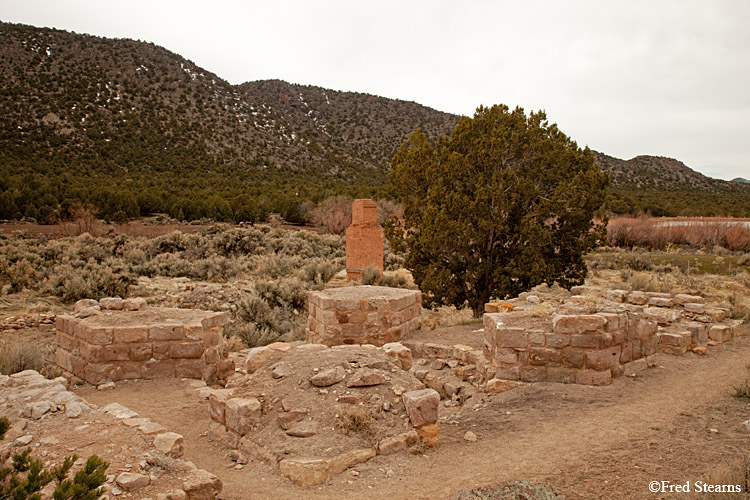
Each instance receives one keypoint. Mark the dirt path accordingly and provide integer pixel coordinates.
(588, 442)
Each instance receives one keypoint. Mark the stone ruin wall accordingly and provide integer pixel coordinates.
(593, 348)
(107, 343)
(364, 239)
(583, 349)
(362, 315)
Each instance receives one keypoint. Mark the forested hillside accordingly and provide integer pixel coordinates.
(132, 129)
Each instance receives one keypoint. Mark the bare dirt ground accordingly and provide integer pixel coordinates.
(677, 422)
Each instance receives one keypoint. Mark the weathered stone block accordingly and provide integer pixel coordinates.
(720, 333)
(603, 359)
(581, 323)
(557, 340)
(593, 377)
(661, 302)
(242, 414)
(533, 373)
(543, 356)
(508, 372)
(506, 356)
(422, 406)
(186, 350)
(561, 375)
(127, 334)
(637, 298)
(683, 299)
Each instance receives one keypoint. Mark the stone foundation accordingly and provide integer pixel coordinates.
(579, 348)
(362, 315)
(596, 334)
(112, 345)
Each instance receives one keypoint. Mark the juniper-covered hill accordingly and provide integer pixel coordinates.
(135, 129)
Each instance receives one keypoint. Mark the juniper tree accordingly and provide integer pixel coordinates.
(504, 203)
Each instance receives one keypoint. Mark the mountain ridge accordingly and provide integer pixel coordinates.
(79, 108)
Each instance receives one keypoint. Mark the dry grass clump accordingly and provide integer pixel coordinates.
(446, 316)
(17, 356)
(359, 420)
(653, 233)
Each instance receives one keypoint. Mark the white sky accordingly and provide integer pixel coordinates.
(660, 77)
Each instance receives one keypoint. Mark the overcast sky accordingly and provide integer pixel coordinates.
(659, 77)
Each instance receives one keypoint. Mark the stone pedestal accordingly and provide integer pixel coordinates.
(151, 343)
(364, 239)
(362, 315)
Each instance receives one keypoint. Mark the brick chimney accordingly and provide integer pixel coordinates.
(364, 239)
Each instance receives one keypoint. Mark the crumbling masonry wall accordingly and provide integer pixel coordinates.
(112, 345)
(581, 348)
(362, 315)
(364, 239)
(599, 334)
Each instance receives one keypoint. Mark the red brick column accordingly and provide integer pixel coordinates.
(364, 239)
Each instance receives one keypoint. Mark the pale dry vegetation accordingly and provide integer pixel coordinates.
(660, 234)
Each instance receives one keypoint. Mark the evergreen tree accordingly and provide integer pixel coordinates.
(503, 204)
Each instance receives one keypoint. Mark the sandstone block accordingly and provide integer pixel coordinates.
(134, 304)
(672, 350)
(557, 340)
(683, 299)
(508, 372)
(720, 333)
(695, 308)
(543, 356)
(84, 304)
(164, 368)
(595, 341)
(561, 375)
(533, 373)
(141, 351)
(288, 418)
(115, 352)
(573, 357)
(603, 359)
(593, 377)
(675, 339)
(202, 485)
(186, 350)
(536, 338)
(401, 353)
(111, 303)
(169, 443)
(517, 338)
(397, 443)
(430, 350)
(127, 334)
(422, 406)
(165, 332)
(97, 336)
(130, 481)
(217, 404)
(577, 324)
(328, 377)
(463, 353)
(506, 355)
(127, 370)
(257, 357)
(661, 302)
(637, 298)
(242, 414)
